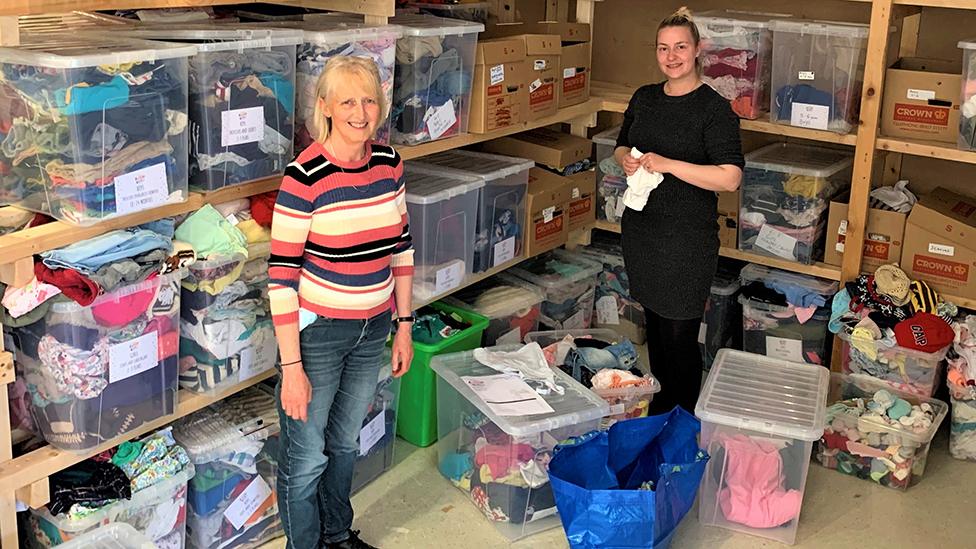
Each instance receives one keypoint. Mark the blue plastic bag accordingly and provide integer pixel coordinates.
(597, 481)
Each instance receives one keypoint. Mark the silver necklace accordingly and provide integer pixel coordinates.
(332, 152)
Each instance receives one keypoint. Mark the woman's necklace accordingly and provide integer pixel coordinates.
(332, 152)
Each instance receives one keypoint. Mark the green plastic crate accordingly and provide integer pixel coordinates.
(417, 414)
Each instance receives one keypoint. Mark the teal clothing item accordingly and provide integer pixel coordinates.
(211, 234)
(101, 97)
(840, 305)
(284, 89)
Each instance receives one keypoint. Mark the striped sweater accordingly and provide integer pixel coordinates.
(339, 235)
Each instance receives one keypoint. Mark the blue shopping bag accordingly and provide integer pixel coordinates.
(597, 481)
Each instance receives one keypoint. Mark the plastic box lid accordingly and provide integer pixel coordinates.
(725, 286)
(588, 269)
(760, 273)
(607, 137)
(577, 405)
(967, 44)
(207, 436)
(466, 297)
(868, 385)
(451, 7)
(71, 51)
(427, 185)
(431, 25)
(487, 166)
(343, 31)
(114, 535)
(765, 395)
(220, 37)
(924, 359)
(548, 338)
(825, 28)
(735, 18)
(799, 160)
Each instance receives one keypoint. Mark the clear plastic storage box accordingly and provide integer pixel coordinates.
(760, 417)
(962, 432)
(511, 305)
(872, 447)
(95, 127)
(903, 369)
(817, 72)
(773, 329)
(434, 73)
(614, 308)
(736, 50)
(721, 319)
(967, 118)
(443, 208)
(786, 191)
(569, 283)
(378, 433)
(128, 341)
(610, 198)
(606, 164)
(114, 535)
(501, 205)
(473, 11)
(480, 444)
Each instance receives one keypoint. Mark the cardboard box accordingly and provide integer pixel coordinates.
(499, 96)
(728, 219)
(575, 63)
(582, 199)
(921, 100)
(543, 52)
(882, 239)
(547, 147)
(940, 243)
(547, 210)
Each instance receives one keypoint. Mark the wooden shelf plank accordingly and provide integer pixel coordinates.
(37, 7)
(927, 149)
(964, 302)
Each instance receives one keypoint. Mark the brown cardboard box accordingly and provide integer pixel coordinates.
(921, 100)
(575, 63)
(882, 240)
(547, 210)
(728, 219)
(940, 243)
(582, 199)
(499, 95)
(547, 147)
(543, 52)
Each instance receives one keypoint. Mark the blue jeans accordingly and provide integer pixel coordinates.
(342, 359)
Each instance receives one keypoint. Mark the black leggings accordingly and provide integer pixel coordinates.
(676, 362)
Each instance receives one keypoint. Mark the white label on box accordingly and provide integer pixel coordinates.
(511, 337)
(249, 501)
(575, 322)
(543, 513)
(254, 361)
(806, 75)
(842, 229)
(448, 278)
(239, 126)
(806, 115)
(606, 310)
(497, 74)
(775, 242)
(504, 251)
(839, 247)
(784, 348)
(702, 330)
(942, 249)
(547, 214)
(576, 193)
(569, 73)
(539, 64)
(133, 357)
(534, 85)
(440, 119)
(920, 95)
(372, 433)
(142, 189)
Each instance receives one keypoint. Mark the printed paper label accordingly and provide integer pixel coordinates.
(504, 251)
(806, 75)
(511, 337)
(806, 115)
(440, 119)
(920, 95)
(547, 214)
(576, 193)
(839, 247)
(569, 73)
(507, 395)
(239, 126)
(776, 242)
(142, 189)
(702, 330)
(539, 64)
(784, 349)
(942, 249)
(842, 229)
(534, 85)
(249, 501)
(497, 74)
(372, 433)
(133, 357)
(256, 360)
(606, 310)
(543, 513)
(577, 321)
(448, 278)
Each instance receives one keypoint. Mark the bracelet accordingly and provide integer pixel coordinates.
(291, 363)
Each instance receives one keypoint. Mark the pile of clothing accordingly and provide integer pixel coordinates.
(961, 378)
(233, 445)
(614, 308)
(967, 120)
(141, 483)
(376, 454)
(569, 283)
(878, 436)
(512, 307)
(226, 331)
(737, 66)
(897, 329)
(67, 136)
(610, 191)
(433, 325)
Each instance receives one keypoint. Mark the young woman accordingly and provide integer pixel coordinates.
(341, 259)
(687, 132)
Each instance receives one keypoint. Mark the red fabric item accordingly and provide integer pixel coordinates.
(835, 441)
(923, 332)
(121, 310)
(71, 283)
(502, 458)
(40, 219)
(262, 206)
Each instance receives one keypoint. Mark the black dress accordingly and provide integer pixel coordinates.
(670, 248)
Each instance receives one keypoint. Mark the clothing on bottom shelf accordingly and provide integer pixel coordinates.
(961, 380)
(839, 105)
(754, 491)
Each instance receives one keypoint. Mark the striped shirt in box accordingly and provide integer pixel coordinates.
(339, 235)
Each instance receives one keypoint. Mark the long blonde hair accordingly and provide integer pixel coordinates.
(337, 70)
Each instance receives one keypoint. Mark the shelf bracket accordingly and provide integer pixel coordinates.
(18, 273)
(9, 30)
(35, 495)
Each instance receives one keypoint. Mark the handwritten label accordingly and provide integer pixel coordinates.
(440, 119)
(576, 193)
(239, 126)
(254, 361)
(942, 249)
(372, 433)
(511, 337)
(133, 357)
(806, 75)
(606, 310)
(142, 189)
(569, 73)
(575, 322)
(920, 95)
(448, 278)
(497, 74)
(539, 65)
(775, 242)
(806, 115)
(784, 349)
(547, 214)
(504, 251)
(248, 502)
(702, 331)
(842, 229)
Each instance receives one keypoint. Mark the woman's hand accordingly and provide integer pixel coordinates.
(296, 392)
(402, 349)
(655, 163)
(629, 164)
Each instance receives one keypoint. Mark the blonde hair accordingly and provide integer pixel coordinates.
(338, 70)
(682, 18)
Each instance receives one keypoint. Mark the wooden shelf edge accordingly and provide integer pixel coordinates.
(472, 280)
(38, 7)
(962, 302)
(927, 149)
(43, 462)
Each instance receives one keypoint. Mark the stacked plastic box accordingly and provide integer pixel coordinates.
(775, 330)
(720, 325)
(378, 431)
(115, 535)
(443, 209)
(817, 72)
(864, 440)
(128, 341)
(786, 191)
(613, 308)
(760, 417)
(487, 449)
(569, 283)
(434, 72)
(511, 305)
(736, 50)
(903, 369)
(97, 127)
(473, 11)
(967, 120)
(610, 180)
(501, 204)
